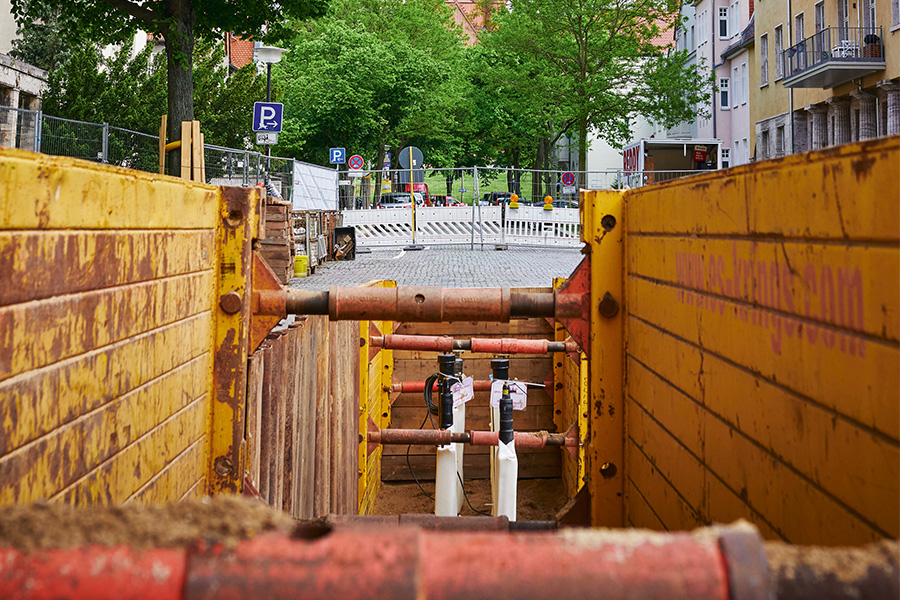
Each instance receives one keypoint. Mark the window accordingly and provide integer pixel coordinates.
(693, 43)
(869, 19)
(723, 93)
(762, 150)
(745, 84)
(726, 158)
(764, 60)
(735, 13)
(735, 97)
(843, 19)
(779, 140)
(723, 23)
(779, 53)
(820, 16)
(703, 29)
(737, 152)
(895, 12)
(746, 147)
(798, 37)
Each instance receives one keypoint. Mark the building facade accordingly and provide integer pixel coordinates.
(827, 73)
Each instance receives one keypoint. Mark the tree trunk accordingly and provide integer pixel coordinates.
(582, 152)
(179, 37)
(537, 178)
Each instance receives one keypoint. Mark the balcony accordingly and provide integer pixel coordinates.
(833, 56)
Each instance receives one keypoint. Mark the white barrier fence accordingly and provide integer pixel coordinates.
(457, 225)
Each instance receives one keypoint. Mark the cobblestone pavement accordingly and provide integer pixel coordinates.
(448, 267)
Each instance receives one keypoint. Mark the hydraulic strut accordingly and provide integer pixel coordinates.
(442, 437)
(440, 343)
(420, 304)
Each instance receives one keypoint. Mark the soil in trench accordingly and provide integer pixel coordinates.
(537, 499)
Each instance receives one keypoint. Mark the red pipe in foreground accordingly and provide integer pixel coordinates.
(440, 343)
(399, 563)
(395, 564)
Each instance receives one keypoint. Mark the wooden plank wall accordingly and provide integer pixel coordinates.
(106, 296)
(762, 348)
(376, 369)
(408, 410)
(302, 418)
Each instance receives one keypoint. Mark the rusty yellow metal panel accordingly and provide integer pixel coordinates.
(106, 283)
(830, 376)
(39, 264)
(763, 345)
(850, 286)
(238, 222)
(842, 192)
(376, 373)
(43, 192)
(606, 460)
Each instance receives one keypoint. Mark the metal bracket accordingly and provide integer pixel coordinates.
(263, 280)
(577, 290)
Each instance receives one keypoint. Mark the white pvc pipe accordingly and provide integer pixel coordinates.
(495, 474)
(446, 485)
(507, 480)
(459, 426)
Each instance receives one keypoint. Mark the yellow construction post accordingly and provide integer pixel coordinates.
(603, 213)
(238, 223)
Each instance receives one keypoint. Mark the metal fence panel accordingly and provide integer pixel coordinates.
(132, 149)
(78, 139)
(19, 128)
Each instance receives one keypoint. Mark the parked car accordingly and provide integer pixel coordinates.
(496, 198)
(438, 200)
(400, 200)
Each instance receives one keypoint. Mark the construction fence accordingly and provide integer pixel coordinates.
(101, 142)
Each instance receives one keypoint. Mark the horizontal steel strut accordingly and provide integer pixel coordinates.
(441, 437)
(420, 304)
(439, 343)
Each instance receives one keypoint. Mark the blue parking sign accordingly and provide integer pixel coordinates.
(337, 156)
(267, 116)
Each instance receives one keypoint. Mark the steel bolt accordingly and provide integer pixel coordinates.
(231, 302)
(608, 306)
(224, 466)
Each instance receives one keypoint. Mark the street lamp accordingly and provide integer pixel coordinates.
(268, 55)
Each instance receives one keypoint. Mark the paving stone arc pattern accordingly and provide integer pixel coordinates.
(448, 267)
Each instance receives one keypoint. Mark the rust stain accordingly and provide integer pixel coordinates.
(862, 166)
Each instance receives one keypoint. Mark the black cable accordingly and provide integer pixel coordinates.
(409, 466)
(466, 496)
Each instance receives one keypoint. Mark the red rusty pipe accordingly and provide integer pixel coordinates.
(480, 385)
(93, 573)
(322, 562)
(427, 304)
(430, 437)
(442, 437)
(440, 343)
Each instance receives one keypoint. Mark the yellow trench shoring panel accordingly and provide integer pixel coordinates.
(110, 282)
(762, 349)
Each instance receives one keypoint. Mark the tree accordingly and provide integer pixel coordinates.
(42, 41)
(178, 22)
(130, 92)
(373, 73)
(593, 65)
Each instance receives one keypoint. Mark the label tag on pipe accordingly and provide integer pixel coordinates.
(463, 391)
(518, 391)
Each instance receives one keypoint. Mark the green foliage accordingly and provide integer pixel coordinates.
(374, 73)
(42, 41)
(576, 66)
(130, 93)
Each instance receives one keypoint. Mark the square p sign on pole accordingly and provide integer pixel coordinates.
(267, 116)
(337, 156)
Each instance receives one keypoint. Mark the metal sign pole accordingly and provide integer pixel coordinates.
(412, 199)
